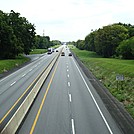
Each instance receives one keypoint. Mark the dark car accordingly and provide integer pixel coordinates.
(62, 54)
(70, 54)
(57, 51)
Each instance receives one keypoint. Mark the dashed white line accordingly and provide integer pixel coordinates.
(35, 66)
(68, 75)
(69, 84)
(67, 66)
(13, 83)
(70, 97)
(23, 75)
(67, 70)
(73, 129)
(30, 70)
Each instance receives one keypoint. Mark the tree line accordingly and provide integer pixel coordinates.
(116, 40)
(17, 36)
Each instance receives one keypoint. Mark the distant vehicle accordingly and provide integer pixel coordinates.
(62, 54)
(50, 50)
(70, 54)
(53, 49)
(57, 51)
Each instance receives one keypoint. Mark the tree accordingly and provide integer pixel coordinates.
(80, 44)
(8, 42)
(89, 41)
(108, 38)
(42, 42)
(126, 49)
(24, 31)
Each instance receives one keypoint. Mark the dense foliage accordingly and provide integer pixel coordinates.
(111, 40)
(17, 35)
(42, 42)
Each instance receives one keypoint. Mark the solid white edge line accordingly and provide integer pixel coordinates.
(73, 129)
(104, 119)
(19, 70)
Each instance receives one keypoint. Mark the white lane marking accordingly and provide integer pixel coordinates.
(23, 75)
(30, 70)
(103, 117)
(67, 70)
(68, 75)
(35, 66)
(70, 97)
(69, 84)
(13, 83)
(67, 66)
(73, 129)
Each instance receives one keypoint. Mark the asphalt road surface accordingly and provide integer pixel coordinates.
(68, 104)
(13, 86)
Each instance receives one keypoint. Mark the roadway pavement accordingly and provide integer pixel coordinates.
(68, 104)
(14, 85)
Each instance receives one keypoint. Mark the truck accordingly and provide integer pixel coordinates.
(50, 50)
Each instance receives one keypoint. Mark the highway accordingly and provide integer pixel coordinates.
(14, 87)
(67, 104)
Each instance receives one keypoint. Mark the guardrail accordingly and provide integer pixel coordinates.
(15, 121)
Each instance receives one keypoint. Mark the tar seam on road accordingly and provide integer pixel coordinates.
(42, 103)
(104, 119)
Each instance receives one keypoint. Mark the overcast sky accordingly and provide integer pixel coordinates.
(70, 20)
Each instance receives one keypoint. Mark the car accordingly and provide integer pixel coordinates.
(70, 54)
(57, 51)
(62, 54)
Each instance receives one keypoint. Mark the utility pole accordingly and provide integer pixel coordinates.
(43, 32)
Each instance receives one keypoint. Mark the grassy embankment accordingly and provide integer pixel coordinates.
(106, 69)
(6, 65)
(9, 64)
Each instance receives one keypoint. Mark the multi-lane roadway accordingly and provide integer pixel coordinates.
(16, 86)
(68, 104)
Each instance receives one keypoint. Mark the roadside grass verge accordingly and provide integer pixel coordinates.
(56, 46)
(106, 69)
(38, 51)
(9, 64)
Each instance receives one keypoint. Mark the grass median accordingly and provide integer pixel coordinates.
(106, 70)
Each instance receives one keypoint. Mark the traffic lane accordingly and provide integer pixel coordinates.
(8, 98)
(21, 71)
(84, 111)
(55, 113)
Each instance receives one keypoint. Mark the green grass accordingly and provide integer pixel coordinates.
(6, 65)
(38, 51)
(56, 46)
(106, 69)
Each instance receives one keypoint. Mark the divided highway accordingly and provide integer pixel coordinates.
(68, 104)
